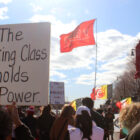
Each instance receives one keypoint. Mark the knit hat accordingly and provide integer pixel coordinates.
(30, 109)
(82, 108)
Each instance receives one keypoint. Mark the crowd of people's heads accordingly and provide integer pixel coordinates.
(80, 119)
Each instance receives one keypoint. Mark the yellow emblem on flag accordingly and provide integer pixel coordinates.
(104, 91)
(101, 92)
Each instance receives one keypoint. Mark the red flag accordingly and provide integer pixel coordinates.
(81, 36)
(119, 105)
(100, 92)
(92, 95)
(137, 75)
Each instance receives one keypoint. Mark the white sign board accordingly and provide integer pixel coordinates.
(57, 93)
(24, 63)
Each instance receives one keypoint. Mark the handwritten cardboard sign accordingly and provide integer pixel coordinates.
(24, 63)
(57, 93)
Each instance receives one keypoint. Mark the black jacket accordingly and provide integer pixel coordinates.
(98, 118)
(31, 122)
(44, 124)
(23, 133)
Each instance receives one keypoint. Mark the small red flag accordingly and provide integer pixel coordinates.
(119, 105)
(137, 75)
(81, 36)
(92, 95)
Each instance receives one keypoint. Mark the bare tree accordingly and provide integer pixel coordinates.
(126, 85)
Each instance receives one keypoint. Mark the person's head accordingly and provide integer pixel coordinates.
(46, 110)
(5, 125)
(67, 111)
(100, 111)
(83, 121)
(109, 109)
(88, 102)
(30, 111)
(130, 116)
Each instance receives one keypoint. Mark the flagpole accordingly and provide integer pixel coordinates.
(95, 62)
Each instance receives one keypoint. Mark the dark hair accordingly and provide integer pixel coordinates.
(47, 109)
(84, 123)
(67, 111)
(5, 124)
(88, 102)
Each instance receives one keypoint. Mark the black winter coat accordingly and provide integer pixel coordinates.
(23, 133)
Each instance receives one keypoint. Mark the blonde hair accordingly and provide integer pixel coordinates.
(130, 115)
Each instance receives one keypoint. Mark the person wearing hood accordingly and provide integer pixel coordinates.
(85, 128)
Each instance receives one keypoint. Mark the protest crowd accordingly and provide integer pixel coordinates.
(86, 123)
